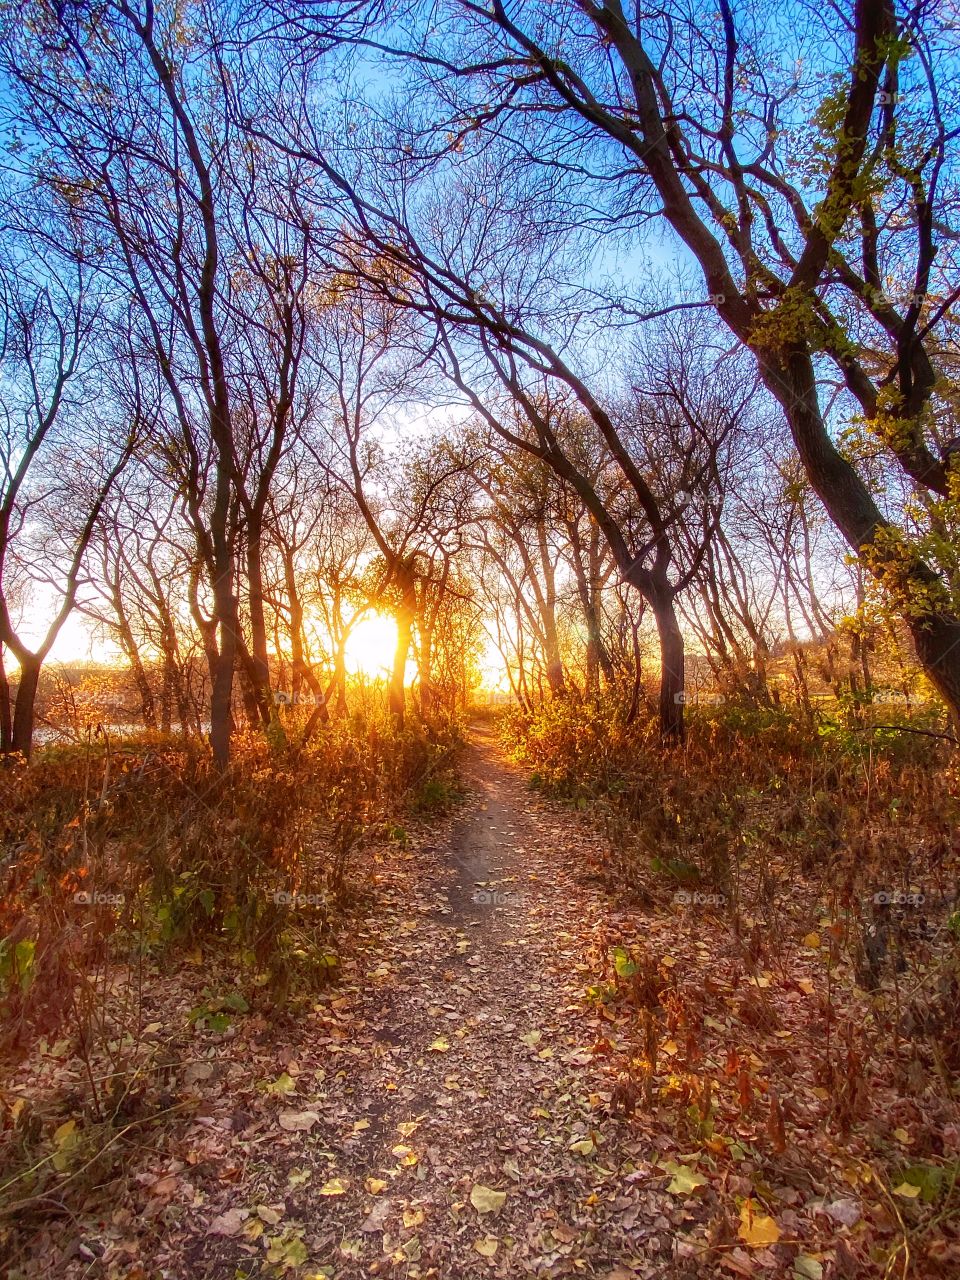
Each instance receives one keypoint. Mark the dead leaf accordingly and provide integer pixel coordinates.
(334, 1187)
(229, 1223)
(298, 1121)
(757, 1229)
(486, 1199)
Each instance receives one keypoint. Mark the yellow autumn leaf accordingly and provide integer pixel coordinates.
(757, 1229)
(413, 1217)
(486, 1247)
(64, 1136)
(439, 1046)
(375, 1185)
(334, 1187)
(907, 1190)
(812, 940)
(65, 1139)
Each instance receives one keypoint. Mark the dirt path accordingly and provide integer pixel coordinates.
(461, 1061)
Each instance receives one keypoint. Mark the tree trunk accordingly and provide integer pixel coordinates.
(396, 698)
(259, 665)
(337, 689)
(425, 670)
(225, 607)
(6, 721)
(25, 709)
(672, 728)
(914, 588)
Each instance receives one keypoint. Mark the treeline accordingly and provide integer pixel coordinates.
(313, 312)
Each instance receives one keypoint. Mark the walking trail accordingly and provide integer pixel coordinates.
(451, 1121)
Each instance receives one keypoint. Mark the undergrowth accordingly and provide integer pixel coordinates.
(113, 852)
(820, 859)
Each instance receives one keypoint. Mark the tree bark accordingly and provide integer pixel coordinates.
(6, 720)
(672, 725)
(914, 587)
(25, 709)
(396, 697)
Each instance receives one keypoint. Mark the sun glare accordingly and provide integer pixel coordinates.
(369, 650)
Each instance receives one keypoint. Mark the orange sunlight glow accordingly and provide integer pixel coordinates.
(370, 647)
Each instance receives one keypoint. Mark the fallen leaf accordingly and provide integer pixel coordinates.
(844, 1211)
(298, 1121)
(287, 1251)
(486, 1199)
(807, 1268)
(334, 1187)
(376, 1217)
(64, 1139)
(229, 1223)
(757, 1229)
(487, 1247)
(282, 1087)
(684, 1180)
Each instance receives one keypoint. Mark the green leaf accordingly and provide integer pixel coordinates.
(927, 1178)
(287, 1251)
(282, 1087)
(624, 966)
(684, 1180)
(807, 1268)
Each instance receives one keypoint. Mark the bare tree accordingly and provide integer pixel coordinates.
(59, 463)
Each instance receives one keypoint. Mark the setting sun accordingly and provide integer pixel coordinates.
(369, 650)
